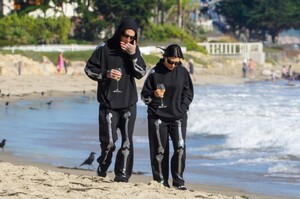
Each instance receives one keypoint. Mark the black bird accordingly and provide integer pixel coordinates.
(7, 103)
(49, 103)
(42, 93)
(89, 160)
(2, 144)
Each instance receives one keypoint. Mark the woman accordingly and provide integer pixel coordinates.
(167, 115)
(60, 62)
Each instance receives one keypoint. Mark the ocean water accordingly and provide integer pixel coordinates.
(244, 136)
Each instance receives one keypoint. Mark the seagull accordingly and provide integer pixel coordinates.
(89, 160)
(2, 144)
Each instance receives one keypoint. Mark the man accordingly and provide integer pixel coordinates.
(114, 64)
(251, 67)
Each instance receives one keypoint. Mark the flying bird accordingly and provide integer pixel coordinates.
(89, 160)
(2, 144)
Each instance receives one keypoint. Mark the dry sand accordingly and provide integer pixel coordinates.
(22, 179)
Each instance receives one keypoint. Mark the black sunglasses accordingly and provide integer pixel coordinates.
(128, 36)
(172, 62)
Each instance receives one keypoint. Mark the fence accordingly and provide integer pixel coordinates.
(51, 48)
(245, 50)
(74, 47)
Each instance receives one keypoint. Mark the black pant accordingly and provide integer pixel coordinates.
(109, 121)
(159, 132)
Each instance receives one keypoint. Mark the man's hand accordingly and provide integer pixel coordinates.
(128, 47)
(114, 74)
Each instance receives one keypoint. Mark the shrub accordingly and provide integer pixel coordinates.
(28, 30)
(165, 32)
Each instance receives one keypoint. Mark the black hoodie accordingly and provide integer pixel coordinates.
(109, 55)
(178, 96)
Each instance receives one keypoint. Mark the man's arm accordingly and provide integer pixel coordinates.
(138, 63)
(93, 68)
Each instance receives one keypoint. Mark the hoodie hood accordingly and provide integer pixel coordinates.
(126, 23)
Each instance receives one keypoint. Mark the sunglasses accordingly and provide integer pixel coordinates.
(128, 36)
(172, 62)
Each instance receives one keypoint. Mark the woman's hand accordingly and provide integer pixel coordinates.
(159, 93)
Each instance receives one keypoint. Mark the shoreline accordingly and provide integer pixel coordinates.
(31, 88)
(35, 86)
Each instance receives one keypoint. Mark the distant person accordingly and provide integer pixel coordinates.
(66, 62)
(168, 93)
(115, 64)
(60, 62)
(273, 76)
(251, 68)
(290, 75)
(284, 72)
(245, 68)
(191, 68)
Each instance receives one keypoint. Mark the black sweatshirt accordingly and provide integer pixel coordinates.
(178, 96)
(109, 55)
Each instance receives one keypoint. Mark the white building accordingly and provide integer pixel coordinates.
(6, 6)
(68, 10)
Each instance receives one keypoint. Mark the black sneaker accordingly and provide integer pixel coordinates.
(101, 173)
(165, 184)
(181, 187)
(120, 179)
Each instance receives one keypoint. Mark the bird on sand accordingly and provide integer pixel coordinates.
(49, 103)
(2, 144)
(89, 161)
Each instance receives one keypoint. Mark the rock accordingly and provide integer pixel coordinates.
(20, 65)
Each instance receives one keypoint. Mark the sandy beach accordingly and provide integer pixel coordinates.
(20, 178)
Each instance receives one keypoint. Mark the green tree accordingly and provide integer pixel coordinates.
(260, 16)
(89, 23)
(275, 16)
(114, 10)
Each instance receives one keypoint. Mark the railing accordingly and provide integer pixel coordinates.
(232, 48)
(246, 50)
(51, 48)
(73, 47)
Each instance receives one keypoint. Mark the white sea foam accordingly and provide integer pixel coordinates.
(254, 117)
(284, 168)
